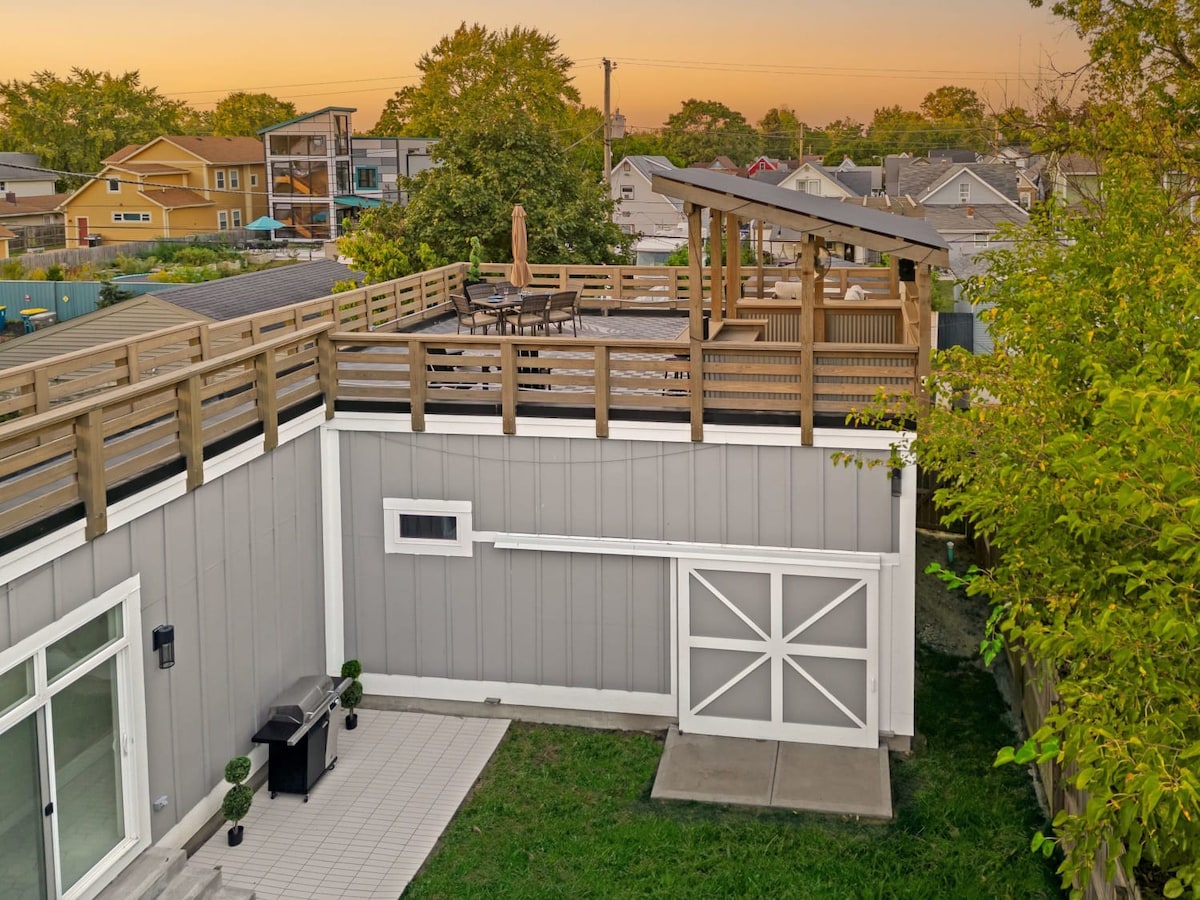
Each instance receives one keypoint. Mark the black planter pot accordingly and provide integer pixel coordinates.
(235, 835)
(351, 721)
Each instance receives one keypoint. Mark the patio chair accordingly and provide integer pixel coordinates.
(532, 313)
(481, 291)
(472, 318)
(504, 288)
(564, 307)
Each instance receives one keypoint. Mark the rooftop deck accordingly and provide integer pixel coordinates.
(87, 428)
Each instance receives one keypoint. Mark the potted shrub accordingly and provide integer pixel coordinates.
(238, 798)
(475, 258)
(352, 696)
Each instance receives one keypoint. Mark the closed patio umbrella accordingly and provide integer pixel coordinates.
(521, 276)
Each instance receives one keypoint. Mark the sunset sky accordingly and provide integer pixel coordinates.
(825, 59)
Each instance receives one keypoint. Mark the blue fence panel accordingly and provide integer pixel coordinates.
(70, 299)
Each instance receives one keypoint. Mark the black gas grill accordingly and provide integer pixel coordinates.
(301, 739)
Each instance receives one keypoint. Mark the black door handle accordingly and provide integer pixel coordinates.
(49, 810)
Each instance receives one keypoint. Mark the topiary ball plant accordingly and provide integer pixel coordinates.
(238, 798)
(352, 696)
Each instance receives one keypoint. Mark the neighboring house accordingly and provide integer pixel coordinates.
(766, 164)
(22, 176)
(309, 161)
(380, 162)
(175, 186)
(36, 221)
(954, 155)
(814, 178)
(640, 211)
(653, 251)
(5, 237)
(864, 180)
(1072, 179)
(721, 164)
(255, 292)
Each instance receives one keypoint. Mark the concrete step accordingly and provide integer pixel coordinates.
(231, 893)
(147, 876)
(195, 882)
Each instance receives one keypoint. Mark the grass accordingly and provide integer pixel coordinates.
(565, 812)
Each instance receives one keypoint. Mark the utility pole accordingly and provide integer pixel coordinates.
(609, 65)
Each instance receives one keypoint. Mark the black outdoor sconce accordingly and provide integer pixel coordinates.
(897, 476)
(164, 644)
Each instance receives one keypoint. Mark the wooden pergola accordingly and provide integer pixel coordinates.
(732, 200)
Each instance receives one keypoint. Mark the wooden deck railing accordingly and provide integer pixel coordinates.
(95, 424)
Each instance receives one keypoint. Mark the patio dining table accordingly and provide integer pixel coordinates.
(502, 304)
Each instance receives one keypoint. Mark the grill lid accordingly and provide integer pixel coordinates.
(308, 697)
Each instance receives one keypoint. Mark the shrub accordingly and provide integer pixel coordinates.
(237, 802)
(237, 769)
(351, 668)
(12, 270)
(347, 284)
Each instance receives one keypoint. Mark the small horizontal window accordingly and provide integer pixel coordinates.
(427, 527)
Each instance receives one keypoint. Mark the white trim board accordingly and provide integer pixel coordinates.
(667, 432)
(46, 549)
(194, 819)
(521, 694)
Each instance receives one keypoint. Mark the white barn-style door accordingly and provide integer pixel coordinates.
(779, 652)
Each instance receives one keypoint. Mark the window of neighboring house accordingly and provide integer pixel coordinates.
(367, 179)
(342, 174)
(1026, 199)
(237, 218)
(235, 180)
(220, 173)
(131, 217)
(222, 220)
(427, 527)
(964, 192)
(114, 185)
(253, 180)
(981, 241)
(627, 192)
(809, 186)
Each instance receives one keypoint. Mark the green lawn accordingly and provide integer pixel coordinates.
(566, 812)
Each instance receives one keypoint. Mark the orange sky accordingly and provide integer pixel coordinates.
(827, 60)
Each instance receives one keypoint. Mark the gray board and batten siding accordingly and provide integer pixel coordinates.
(236, 567)
(573, 619)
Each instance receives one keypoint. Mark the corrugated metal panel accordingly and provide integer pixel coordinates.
(565, 619)
(235, 566)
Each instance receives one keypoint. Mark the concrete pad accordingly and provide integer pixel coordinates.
(844, 780)
(715, 769)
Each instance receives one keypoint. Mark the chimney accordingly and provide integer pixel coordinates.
(10, 197)
(970, 212)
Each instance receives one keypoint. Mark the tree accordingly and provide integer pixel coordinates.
(473, 72)
(74, 123)
(1076, 454)
(950, 103)
(897, 130)
(376, 243)
(642, 143)
(842, 138)
(781, 133)
(705, 129)
(487, 165)
(242, 115)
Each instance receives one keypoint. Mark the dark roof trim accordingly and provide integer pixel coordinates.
(906, 237)
(315, 112)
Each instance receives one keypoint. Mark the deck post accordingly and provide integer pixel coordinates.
(508, 386)
(191, 429)
(695, 320)
(417, 384)
(602, 389)
(268, 398)
(89, 447)
(327, 371)
(808, 293)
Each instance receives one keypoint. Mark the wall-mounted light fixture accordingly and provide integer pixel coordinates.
(164, 645)
(897, 476)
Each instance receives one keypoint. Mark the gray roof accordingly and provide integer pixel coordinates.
(243, 295)
(127, 319)
(30, 168)
(648, 165)
(984, 218)
(855, 181)
(771, 176)
(905, 236)
(958, 156)
(918, 180)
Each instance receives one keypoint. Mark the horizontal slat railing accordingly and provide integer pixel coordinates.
(77, 452)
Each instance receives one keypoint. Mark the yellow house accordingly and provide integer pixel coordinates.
(172, 187)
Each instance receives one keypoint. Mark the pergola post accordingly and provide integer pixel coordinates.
(819, 297)
(716, 223)
(759, 293)
(733, 264)
(924, 327)
(695, 319)
(808, 295)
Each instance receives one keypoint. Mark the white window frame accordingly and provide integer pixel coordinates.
(222, 220)
(131, 710)
(964, 192)
(394, 507)
(131, 217)
(627, 192)
(235, 181)
(253, 180)
(220, 176)
(236, 220)
(982, 241)
(114, 185)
